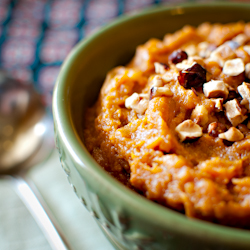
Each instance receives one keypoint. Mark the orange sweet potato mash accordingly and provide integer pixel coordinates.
(174, 123)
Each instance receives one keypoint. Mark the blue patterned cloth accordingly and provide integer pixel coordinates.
(37, 35)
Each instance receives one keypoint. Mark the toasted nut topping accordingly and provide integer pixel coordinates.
(160, 68)
(248, 124)
(144, 95)
(218, 104)
(200, 115)
(169, 76)
(233, 134)
(160, 91)
(234, 67)
(215, 89)
(244, 90)
(188, 130)
(247, 49)
(192, 77)
(203, 45)
(134, 102)
(157, 81)
(221, 54)
(247, 70)
(190, 62)
(216, 128)
(243, 129)
(191, 50)
(177, 56)
(230, 88)
(141, 107)
(184, 64)
(234, 112)
(204, 50)
(240, 39)
(198, 60)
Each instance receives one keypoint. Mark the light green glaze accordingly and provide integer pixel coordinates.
(129, 220)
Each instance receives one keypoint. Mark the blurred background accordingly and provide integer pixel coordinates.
(37, 35)
(35, 38)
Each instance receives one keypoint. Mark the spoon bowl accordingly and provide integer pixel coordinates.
(25, 141)
(21, 124)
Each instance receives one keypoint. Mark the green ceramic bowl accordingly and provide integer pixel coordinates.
(129, 220)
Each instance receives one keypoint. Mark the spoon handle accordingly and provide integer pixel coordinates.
(33, 200)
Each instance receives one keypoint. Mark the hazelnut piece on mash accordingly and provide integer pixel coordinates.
(241, 39)
(221, 54)
(218, 104)
(199, 115)
(216, 128)
(157, 81)
(188, 130)
(160, 68)
(247, 70)
(234, 67)
(160, 91)
(215, 88)
(234, 112)
(247, 49)
(136, 103)
(233, 134)
(244, 91)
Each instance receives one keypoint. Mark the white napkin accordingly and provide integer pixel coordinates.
(19, 231)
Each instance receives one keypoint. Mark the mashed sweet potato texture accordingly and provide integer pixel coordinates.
(174, 123)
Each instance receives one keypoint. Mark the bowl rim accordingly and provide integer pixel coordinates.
(163, 216)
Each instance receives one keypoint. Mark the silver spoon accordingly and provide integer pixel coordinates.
(26, 141)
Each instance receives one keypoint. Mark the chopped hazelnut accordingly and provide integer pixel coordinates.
(203, 45)
(234, 67)
(190, 62)
(198, 60)
(144, 95)
(184, 64)
(215, 89)
(188, 130)
(169, 76)
(248, 124)
(234, 112)
(160, 68)
(247, 49)
(240, 39)
(244, 90)
(221, 54)
(134, 102)
(191, 50)
(247, 70)
(230, 88)
(233, 134)
(216, 128)
(204, 50)
(218, 104)
(160, 91)
(157, 81)
(141, 107)
(200, 115)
